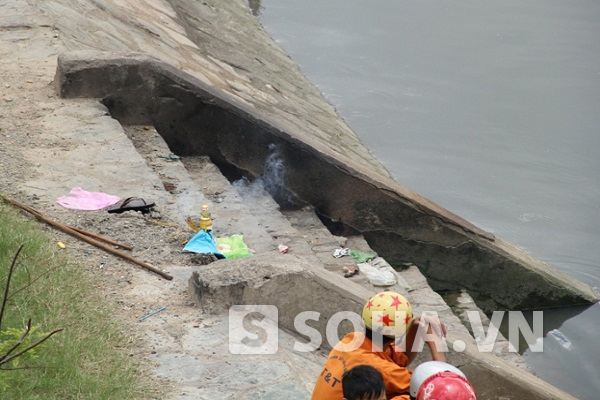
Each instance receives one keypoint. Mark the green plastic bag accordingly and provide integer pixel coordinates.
(233, 246)
(361, 257)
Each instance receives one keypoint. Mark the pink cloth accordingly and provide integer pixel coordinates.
(80, 199)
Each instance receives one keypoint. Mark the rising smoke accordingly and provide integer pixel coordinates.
(272, 181)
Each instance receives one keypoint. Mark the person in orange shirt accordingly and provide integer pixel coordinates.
(388, 321)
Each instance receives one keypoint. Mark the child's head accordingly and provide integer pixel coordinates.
(363, 382)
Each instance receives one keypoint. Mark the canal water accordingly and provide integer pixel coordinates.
(490, 109)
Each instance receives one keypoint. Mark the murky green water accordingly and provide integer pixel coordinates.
(491, 109)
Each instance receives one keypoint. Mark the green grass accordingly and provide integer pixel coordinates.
(89, 358)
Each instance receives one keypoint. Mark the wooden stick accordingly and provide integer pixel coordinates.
(92, 235)
(100, 237)
(89, 240)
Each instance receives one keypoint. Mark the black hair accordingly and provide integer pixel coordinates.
(369, 334)
(362, 382)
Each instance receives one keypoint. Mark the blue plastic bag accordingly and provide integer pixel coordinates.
(203, 243)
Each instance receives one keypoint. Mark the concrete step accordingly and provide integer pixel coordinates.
(242, 208)
(195, 181)
(246, 208)
(411, 282)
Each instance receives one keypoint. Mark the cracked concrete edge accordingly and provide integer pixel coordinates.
(295, 286)
(94, 74)
(129, 83)
(73, 80)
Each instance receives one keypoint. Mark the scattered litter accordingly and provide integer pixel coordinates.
(205, 219)
(380, 263)
(161, 223)
(377, 276)
(362, 257)
(224, 247)
(193, 223)
(203, 222)
(203, 243)
(340, 252)
(151, 313)
(79, 199)
(283, 248)
(61, 245)
(560, 338)
(169, 186)
(350, 270)
(218, 197)
(171, 157)
(86, 237)
(233, 247)
(131, 204)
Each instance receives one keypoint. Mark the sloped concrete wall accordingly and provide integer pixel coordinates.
(197, 119)
(221, 44)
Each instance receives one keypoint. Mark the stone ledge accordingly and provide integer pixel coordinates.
(403, 227)
(285, 281)
(293, 286)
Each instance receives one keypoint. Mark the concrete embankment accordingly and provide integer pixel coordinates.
(224, 89)
(197, 119)
(216, 85)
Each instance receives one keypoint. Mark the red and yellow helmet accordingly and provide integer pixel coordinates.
(388, 313)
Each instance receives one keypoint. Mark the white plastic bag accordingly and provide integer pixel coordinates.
(383, 265)
(376, 276)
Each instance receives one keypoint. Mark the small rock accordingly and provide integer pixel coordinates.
(7, 85)
(169, 186)
(8, 99)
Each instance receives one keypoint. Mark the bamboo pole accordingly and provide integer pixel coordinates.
(100, 237)
(72, 232)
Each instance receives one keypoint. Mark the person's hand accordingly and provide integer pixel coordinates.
(426, 321)
(432, 325)
(421, 328)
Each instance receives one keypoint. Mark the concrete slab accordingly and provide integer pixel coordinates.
(197, 119)
(294, 286)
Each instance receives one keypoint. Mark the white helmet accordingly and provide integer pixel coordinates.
(428, 369)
